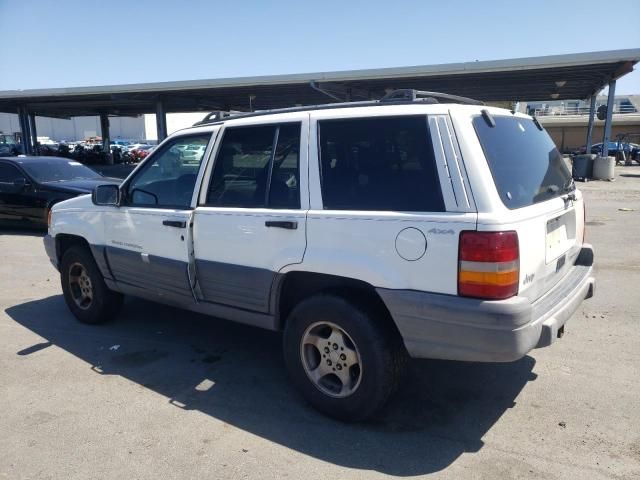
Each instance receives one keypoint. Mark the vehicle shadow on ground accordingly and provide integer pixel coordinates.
(236, 374)
(31, 232)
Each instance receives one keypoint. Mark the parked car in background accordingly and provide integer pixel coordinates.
(9, 146)
(193, 152)
(139, 153)
(135, 146)
(629, 149)
(30, 186)
(614, 148)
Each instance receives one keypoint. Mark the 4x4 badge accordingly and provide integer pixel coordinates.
(437, 231)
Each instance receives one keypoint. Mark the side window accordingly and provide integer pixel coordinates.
(169, 178)
(379, 164)
(9, 173)
(250, 173)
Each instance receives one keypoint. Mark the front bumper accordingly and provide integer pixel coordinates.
(50, 248)
(456, 328)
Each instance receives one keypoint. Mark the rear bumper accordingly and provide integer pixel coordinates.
(456, 328)
(50, 248)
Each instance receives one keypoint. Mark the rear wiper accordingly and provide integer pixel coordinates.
(569, 185)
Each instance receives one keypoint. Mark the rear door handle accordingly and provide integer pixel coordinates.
(175, 223)
(289, 225)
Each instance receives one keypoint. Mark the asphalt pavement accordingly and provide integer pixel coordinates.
(164, 393)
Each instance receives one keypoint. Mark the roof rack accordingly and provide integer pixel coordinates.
(217, 116)
(397, 97)
(408, 94)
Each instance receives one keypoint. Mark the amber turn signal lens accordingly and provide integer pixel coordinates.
(488, 265)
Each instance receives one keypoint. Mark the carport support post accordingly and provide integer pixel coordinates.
(106, 141)
(592, 112)
(607, 122)
(34, 133)
(25, 138)
(161, 121)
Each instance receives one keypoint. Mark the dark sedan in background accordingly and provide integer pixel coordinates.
(30, 186)
(631, 150)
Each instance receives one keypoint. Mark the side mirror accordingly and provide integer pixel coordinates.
(106, 195)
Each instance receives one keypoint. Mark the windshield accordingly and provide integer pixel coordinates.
(525, 163)
(7, 140)
(56, 170)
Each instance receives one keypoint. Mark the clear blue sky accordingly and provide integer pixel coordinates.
(63, 43)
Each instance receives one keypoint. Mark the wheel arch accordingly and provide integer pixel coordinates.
(293, 287)
(64, 241)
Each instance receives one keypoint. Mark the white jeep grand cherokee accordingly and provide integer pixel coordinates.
(424, 224)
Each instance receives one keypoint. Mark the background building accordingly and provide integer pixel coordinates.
(621, 104)
(77, 128)
(567, 120)
(142, 127)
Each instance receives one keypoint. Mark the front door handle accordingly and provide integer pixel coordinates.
(175, 223)
(289, 225)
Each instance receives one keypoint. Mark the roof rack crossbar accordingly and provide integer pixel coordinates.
(409, 94)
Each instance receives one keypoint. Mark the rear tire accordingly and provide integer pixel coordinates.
(84, 290)
(342, 356)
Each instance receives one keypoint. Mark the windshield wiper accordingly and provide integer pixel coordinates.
(56, 180)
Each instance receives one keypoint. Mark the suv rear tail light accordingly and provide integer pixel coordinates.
(489, 265)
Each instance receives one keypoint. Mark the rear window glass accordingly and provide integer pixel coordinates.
(58, 170)
(525, 163)
(379, 164)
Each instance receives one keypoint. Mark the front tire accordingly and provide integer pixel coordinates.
(342, 355)
(84, 290)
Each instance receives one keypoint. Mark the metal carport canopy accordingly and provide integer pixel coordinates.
(556, 77)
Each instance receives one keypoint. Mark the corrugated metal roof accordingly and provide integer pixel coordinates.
(534, 78)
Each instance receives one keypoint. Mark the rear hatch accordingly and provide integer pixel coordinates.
(538, 195)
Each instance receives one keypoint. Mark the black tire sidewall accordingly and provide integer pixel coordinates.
(374, 343)
(104, 304)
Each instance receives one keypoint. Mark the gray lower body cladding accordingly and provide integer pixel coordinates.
(233, 292)
(163, 277)
(234, 314)
(235, 285)
(455, 328)
(431, 325)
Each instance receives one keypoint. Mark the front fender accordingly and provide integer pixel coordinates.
(80, 217)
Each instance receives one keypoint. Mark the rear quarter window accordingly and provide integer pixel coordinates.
(384, 164)
(527, 167)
